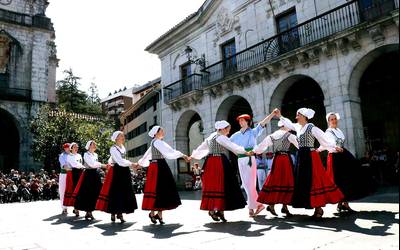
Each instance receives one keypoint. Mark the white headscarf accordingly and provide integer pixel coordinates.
(332, 113)
(88, 144)
(72, 144)
(309, 113)
(154, 131)
(115, 135)
(221, 124)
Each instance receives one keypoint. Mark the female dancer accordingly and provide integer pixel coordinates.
(221, 190)
(313, 187)
(75, 163)
(160, 191)
(279, 186)
(343, 167)
(117, 195)
(88, 189)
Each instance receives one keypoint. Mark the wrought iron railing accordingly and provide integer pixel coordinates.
(42, 22)
(15, 94)
(314, 30)
(183, 86)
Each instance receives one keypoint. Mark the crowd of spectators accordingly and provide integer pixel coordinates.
(17, 186)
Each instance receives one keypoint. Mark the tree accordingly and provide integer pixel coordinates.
(93, 105)
(69, 95)
(52, 129)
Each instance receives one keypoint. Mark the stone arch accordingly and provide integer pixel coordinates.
(371, 130)
(9, 132)
(231, 107)
(294, 92)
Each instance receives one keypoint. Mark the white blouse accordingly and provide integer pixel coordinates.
(267, 142)
(166, 150)
(75, 161)
(323, 140)
(203, 150)
(331, 137)
(92, 160)
(116, 156)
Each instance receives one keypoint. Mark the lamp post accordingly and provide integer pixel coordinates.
(193, 60)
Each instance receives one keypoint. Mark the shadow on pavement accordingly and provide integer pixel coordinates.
(164, 231)
(111, 229)
(238, 228)
(383, 220)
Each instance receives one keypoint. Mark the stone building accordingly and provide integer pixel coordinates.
(115, 104)
(28, 64)
(247, 56)
(140, 118)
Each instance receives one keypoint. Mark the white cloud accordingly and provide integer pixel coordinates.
(105, 40)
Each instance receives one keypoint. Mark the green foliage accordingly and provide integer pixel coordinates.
(52, 129)
(75, 100)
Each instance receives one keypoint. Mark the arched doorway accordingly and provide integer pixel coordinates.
(379, 92)
(189, 135)
(9, 148)
(231, 108)
(298, 92)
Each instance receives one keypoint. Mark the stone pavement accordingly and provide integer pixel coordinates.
(37, 225)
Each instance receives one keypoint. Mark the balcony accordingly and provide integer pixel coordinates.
(190, 85)
(305, 35)
(15, 94)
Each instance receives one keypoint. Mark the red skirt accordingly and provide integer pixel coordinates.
(77, 188)
(213, 197)
(160, 192)
(323, 188)
(69, 190)
(102, 201)
(279, 186)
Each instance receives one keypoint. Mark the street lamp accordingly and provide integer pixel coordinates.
(192, 60)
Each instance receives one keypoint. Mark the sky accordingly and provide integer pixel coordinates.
(103, 41)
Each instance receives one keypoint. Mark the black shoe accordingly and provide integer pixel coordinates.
(318, 214)
(153, 219)
(76, 212)
(214, 216)
(287, 212)
(221, 216)
(121, 218)
(272, 210)
(159, 219)
(113, 217)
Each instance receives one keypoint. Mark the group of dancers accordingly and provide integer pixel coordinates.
(307, 185)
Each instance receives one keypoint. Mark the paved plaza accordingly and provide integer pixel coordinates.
(37, 225)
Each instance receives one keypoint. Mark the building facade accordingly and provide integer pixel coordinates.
(247, 56)
(141, 117)
(28, 63)
(115, 104)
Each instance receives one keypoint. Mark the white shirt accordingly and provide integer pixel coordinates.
(166, 150)
(323, 140)
(91, 160)
(339, 134)
(117, 158)
(63, 160)
(267, 142)
(203, 150)
(75, 161)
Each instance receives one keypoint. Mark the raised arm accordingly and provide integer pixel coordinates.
(226, 143)
(167, 151)
(267, 119)
(263, 146)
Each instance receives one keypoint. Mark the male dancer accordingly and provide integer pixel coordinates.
(247, 138)
(63, 175)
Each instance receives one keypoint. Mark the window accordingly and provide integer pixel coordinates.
(289, 40)
(186, 70)
(143, 108)
(228, 52)
(137, 131)
(155, 120)
(139, 151)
